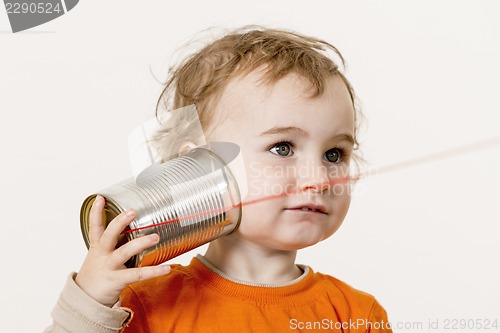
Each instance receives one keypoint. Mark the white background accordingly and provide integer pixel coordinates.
(422, 239)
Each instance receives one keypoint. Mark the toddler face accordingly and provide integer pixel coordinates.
(295, 148)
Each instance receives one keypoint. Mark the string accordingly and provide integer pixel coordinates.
(444, 154)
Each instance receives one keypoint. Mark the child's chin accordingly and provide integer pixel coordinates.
(298, 245)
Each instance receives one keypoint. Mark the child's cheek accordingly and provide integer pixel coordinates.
(268, 181)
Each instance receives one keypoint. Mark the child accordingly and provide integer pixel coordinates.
(284, 102)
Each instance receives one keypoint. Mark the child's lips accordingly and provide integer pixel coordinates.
(309, 208)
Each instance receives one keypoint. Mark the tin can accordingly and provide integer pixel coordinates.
(188, 201)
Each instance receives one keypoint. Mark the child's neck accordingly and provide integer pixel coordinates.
(248, 262)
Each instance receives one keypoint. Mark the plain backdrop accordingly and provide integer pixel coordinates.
(422, 238)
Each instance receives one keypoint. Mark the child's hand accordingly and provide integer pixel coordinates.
(103, 274)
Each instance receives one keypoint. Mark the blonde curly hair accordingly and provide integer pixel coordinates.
(201, 78)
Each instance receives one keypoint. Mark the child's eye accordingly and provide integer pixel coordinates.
(334, 155)
(282, 149)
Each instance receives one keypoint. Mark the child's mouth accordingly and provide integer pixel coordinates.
(309, 209)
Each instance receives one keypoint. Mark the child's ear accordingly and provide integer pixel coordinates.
(186, 147)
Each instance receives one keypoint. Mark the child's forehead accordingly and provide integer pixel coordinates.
(253, 90)
(253, 105)
(250, 98)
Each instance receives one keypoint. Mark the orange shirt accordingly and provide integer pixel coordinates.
(194, 298)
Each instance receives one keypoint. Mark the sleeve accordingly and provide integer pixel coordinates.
(140, 323)
(77, 312)
(378, 321)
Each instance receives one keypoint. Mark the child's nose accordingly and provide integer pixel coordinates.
(313, 177)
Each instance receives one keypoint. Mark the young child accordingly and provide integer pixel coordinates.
(283, 100)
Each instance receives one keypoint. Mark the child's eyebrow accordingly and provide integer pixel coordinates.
(296, 131)
(345, 137)
(290, 130)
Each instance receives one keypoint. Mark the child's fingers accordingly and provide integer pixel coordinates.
(132, 275)
(110, 236)
(129, 249)
(95, 224)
